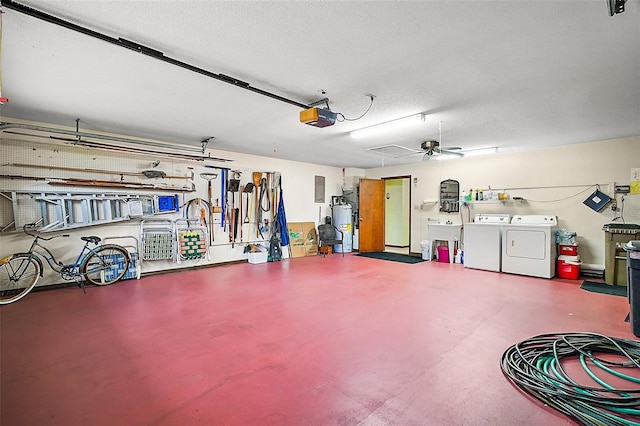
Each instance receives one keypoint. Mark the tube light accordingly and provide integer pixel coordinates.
(483, 151)
(388, 126)
(448, 155)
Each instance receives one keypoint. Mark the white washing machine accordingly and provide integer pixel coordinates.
(483, 241)
(529, 246)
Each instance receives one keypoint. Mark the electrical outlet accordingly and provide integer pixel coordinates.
(614, 207)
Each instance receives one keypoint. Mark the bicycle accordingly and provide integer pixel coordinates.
(101, 265)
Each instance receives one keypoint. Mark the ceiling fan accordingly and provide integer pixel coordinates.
(431, 148)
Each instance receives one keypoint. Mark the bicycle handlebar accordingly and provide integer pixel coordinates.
(33, 225)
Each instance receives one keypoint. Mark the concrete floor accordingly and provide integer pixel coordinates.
(309, 341)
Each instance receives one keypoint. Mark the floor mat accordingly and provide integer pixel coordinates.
(394, 257)
(616, 290)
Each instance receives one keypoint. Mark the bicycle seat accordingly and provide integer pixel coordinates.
(92, 239)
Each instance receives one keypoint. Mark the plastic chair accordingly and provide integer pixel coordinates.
(328, 236)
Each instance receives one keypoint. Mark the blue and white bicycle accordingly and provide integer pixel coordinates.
(102, 265)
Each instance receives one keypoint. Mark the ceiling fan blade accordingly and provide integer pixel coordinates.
(449, 152)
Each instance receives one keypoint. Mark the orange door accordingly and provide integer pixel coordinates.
(371, 220)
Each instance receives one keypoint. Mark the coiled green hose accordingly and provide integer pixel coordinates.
(535, 366)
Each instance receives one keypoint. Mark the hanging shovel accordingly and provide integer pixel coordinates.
(234, 186)
(248, 189)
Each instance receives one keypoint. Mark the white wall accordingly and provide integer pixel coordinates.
(552, 180)
(297, 180)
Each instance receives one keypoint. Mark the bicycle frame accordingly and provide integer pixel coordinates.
(38, 251)
(67, 271)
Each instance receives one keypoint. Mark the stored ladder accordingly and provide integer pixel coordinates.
(57, 211)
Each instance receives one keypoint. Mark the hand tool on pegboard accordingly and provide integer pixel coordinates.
(264, 204)
(239, 219)
(257, 177)
(248, 189)
(223, 194)
(209, 177)
(234, 186)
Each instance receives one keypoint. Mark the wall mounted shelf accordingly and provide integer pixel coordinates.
(511, 201)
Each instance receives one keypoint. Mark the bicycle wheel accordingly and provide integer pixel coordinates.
(18, 275)
(106, 265)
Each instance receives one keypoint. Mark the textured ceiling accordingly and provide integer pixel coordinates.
(515, 75)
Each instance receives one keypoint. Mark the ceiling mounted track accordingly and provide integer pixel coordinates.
(148, 51)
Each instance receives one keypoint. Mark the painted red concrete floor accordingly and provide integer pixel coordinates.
(310, 341)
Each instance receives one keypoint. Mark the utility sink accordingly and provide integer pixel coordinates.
(449, 232)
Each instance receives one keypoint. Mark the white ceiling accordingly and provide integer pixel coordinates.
(511, 74)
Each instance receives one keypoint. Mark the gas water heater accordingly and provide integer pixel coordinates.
(342, 219)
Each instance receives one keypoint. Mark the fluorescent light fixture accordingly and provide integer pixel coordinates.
(483, 151)
(448, 155)
(388, 126)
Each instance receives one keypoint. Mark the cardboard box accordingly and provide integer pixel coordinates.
(298, 251)
(296, 239)
(295, 234)
(303, 239)
(311, 238)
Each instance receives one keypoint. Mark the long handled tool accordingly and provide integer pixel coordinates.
(239, 217)
(223, 194)
(209, 177)
(234, 186)
(264, 205)
(248, 189)
(146, 173)
(257, 177)
(120, 184)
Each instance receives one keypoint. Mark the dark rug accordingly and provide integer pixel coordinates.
(616, 290)
(394, 257)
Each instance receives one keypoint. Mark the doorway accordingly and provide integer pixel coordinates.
(397, 235)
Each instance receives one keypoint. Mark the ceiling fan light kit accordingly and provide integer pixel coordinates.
(388, 126)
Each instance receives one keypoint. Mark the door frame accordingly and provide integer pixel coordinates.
(408, 177)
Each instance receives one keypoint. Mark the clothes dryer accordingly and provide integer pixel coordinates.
(483, 241)
(529, 247)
